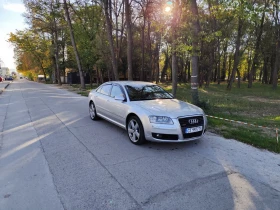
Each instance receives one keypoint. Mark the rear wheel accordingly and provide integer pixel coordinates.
(135, 131)
(92, 111)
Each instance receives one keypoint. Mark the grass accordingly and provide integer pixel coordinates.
(77, 88)
(259, 105)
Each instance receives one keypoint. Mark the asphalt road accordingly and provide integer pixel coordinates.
(52, 156)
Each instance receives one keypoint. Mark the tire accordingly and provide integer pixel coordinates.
(92, 111)
(135, 130)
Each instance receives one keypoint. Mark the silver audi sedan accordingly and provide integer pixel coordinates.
(147, 112)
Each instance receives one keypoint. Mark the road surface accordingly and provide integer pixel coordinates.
(53, 156)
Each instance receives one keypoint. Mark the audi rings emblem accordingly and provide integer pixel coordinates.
(193, 121)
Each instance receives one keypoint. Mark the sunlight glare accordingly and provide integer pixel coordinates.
(167, 9)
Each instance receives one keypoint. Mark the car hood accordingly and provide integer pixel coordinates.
(169, 107)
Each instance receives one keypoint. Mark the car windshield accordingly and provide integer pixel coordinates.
(146, 92)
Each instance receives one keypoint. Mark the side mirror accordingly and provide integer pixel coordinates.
(119, 98)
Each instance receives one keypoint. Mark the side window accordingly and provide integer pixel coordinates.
(116, 91)
(106, 89)
(99, 89)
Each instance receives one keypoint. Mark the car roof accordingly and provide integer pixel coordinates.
(132, 83)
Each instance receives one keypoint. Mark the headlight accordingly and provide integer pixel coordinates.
(161, 120)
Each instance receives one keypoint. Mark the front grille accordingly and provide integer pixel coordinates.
(190, 122)
(184, 122)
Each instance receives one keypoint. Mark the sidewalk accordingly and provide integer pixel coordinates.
(4, 85)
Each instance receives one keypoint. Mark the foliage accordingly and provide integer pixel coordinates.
(152, 29)
(259, 106)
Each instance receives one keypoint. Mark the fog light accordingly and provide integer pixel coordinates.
(158, 135)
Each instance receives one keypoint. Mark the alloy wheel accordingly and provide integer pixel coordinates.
(133, 130)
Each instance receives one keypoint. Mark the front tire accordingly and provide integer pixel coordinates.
(92, 111)
(135, 131)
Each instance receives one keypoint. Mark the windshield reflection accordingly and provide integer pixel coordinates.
(147, 92)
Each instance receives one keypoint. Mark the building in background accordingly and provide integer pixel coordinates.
(4, 72)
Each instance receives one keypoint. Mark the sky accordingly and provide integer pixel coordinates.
(11, 19)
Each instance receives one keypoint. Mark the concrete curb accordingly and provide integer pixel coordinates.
(2, 90)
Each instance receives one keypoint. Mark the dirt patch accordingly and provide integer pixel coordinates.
(263, 100)
(74, 89)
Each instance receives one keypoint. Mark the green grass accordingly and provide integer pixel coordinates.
(88, 87)
(259, 105)
(83, 93)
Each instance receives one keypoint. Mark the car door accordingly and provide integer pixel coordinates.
(101, 100)
(118, 108)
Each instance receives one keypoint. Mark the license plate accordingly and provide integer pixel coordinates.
(193, 130)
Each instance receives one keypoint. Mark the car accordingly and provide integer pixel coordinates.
(9, 78)
(147, 112)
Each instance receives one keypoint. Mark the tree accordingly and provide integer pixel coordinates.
(44, 17)
(129, 39)
(110, 38)
(31, 51)
(277, 45)
(195, 51)
(74, 44)
(259, 31)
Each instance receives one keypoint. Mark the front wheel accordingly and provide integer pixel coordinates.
(135, 131)
(92, 111)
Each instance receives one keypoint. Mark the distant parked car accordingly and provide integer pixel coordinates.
(10, 78)
(147, 112)
(1, 79)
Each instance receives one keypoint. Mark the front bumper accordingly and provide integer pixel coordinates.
(151, 130)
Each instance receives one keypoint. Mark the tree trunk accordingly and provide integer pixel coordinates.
(277, 47)
(249, 59)
(174, 64)
(74, 45)
(257, 49)
(265, 71)
(276, 65)
(129, 39)
(55, 39)
(238, 75)
(143, 49)
(236, 54)
(44, 72)
(165, 67)
(55, 71)
(223, 73)
(229, 67)
(272, 65)
(150, 51)
(189, 71)
(173, 49)
(185, 68)
(219, 64)
(261, 75)
(56, 58)
(110, 39)
(195, 52)
(157, 56)
(174, 69)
